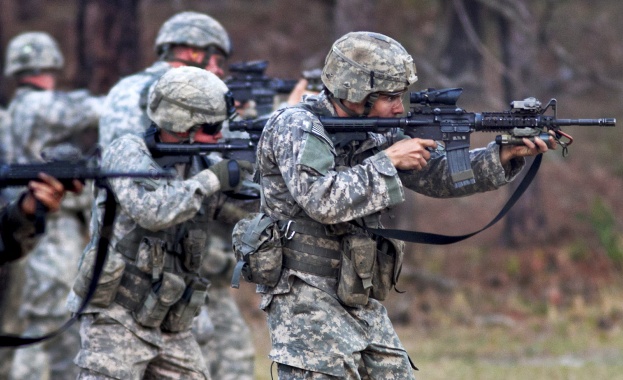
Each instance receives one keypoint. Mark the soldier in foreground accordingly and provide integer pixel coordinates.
(43, 117)
(323, 309)
(138, 324)
(192, 39)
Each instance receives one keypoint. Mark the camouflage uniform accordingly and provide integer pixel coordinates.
(114, 344)
(228, 349)
(124, 108)
(155, 217)
(305, 177)
(4, 135)
(226, 344)
(40, 119)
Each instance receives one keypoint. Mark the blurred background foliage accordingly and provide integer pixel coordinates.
(552, 266)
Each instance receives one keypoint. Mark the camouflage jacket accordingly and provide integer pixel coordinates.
(5, 140)
(124, 108)
(151, 204)
(40, 118)
(304, 175)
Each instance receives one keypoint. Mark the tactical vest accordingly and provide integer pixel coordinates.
(365, 266)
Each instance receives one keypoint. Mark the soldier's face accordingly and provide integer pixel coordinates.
(388, 105)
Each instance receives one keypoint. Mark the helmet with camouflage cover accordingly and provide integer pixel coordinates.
(32, 51)
(363, 63)
(186, 97)
(193, 29)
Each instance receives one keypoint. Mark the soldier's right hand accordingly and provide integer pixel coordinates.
(411, 154)
(230, 173)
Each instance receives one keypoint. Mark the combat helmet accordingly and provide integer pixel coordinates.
(32, 52)
(364, 63)
(186, 97)
(193, 29)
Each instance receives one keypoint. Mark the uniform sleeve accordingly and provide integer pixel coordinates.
(154, 204)
(435, 181)
(306, 159)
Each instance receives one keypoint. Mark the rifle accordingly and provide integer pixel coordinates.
(65, 171)
(248, 81)
(434, 115)
(167, 154)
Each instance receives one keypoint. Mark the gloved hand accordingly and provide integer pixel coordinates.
(230, 173)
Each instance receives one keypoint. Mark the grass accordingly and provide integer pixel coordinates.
(571, 344)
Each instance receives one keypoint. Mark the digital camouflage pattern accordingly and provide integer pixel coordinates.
(125, 105)
(125, 112)
(41, 119)
(181, 355)
(361, 63)
(44, 119)
(193, 29)
(156, 205)
(32, 51)
(204, 100)
(5, 137)
(229, 349)
(303, 175)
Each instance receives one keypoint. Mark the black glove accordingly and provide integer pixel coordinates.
(230, 173)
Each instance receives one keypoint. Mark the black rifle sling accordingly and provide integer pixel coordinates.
(437, 239)
(110, 208)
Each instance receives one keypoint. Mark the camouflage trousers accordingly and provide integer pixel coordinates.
(51, 359)
(314, 336)
(229, 351)
(110, 351)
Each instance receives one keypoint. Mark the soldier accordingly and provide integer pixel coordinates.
(186, 39)
(4, 134)
(192, 39)
(138, 324)
(323, 311)
(43, 117)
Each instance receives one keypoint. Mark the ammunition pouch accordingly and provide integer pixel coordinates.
(258, 249)
(389, 256)
(356, 270)
(181, 314)
(109, 280)
(163, 294)
(153, 283)
(194, 244)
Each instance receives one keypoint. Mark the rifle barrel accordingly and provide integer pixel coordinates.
(601, 122)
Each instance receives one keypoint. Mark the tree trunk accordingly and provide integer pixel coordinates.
(108, 42)
(353, 16)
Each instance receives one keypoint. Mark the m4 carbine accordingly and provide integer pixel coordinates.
(434, 115)
(65, 171)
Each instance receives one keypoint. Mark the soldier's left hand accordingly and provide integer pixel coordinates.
(530, 148)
